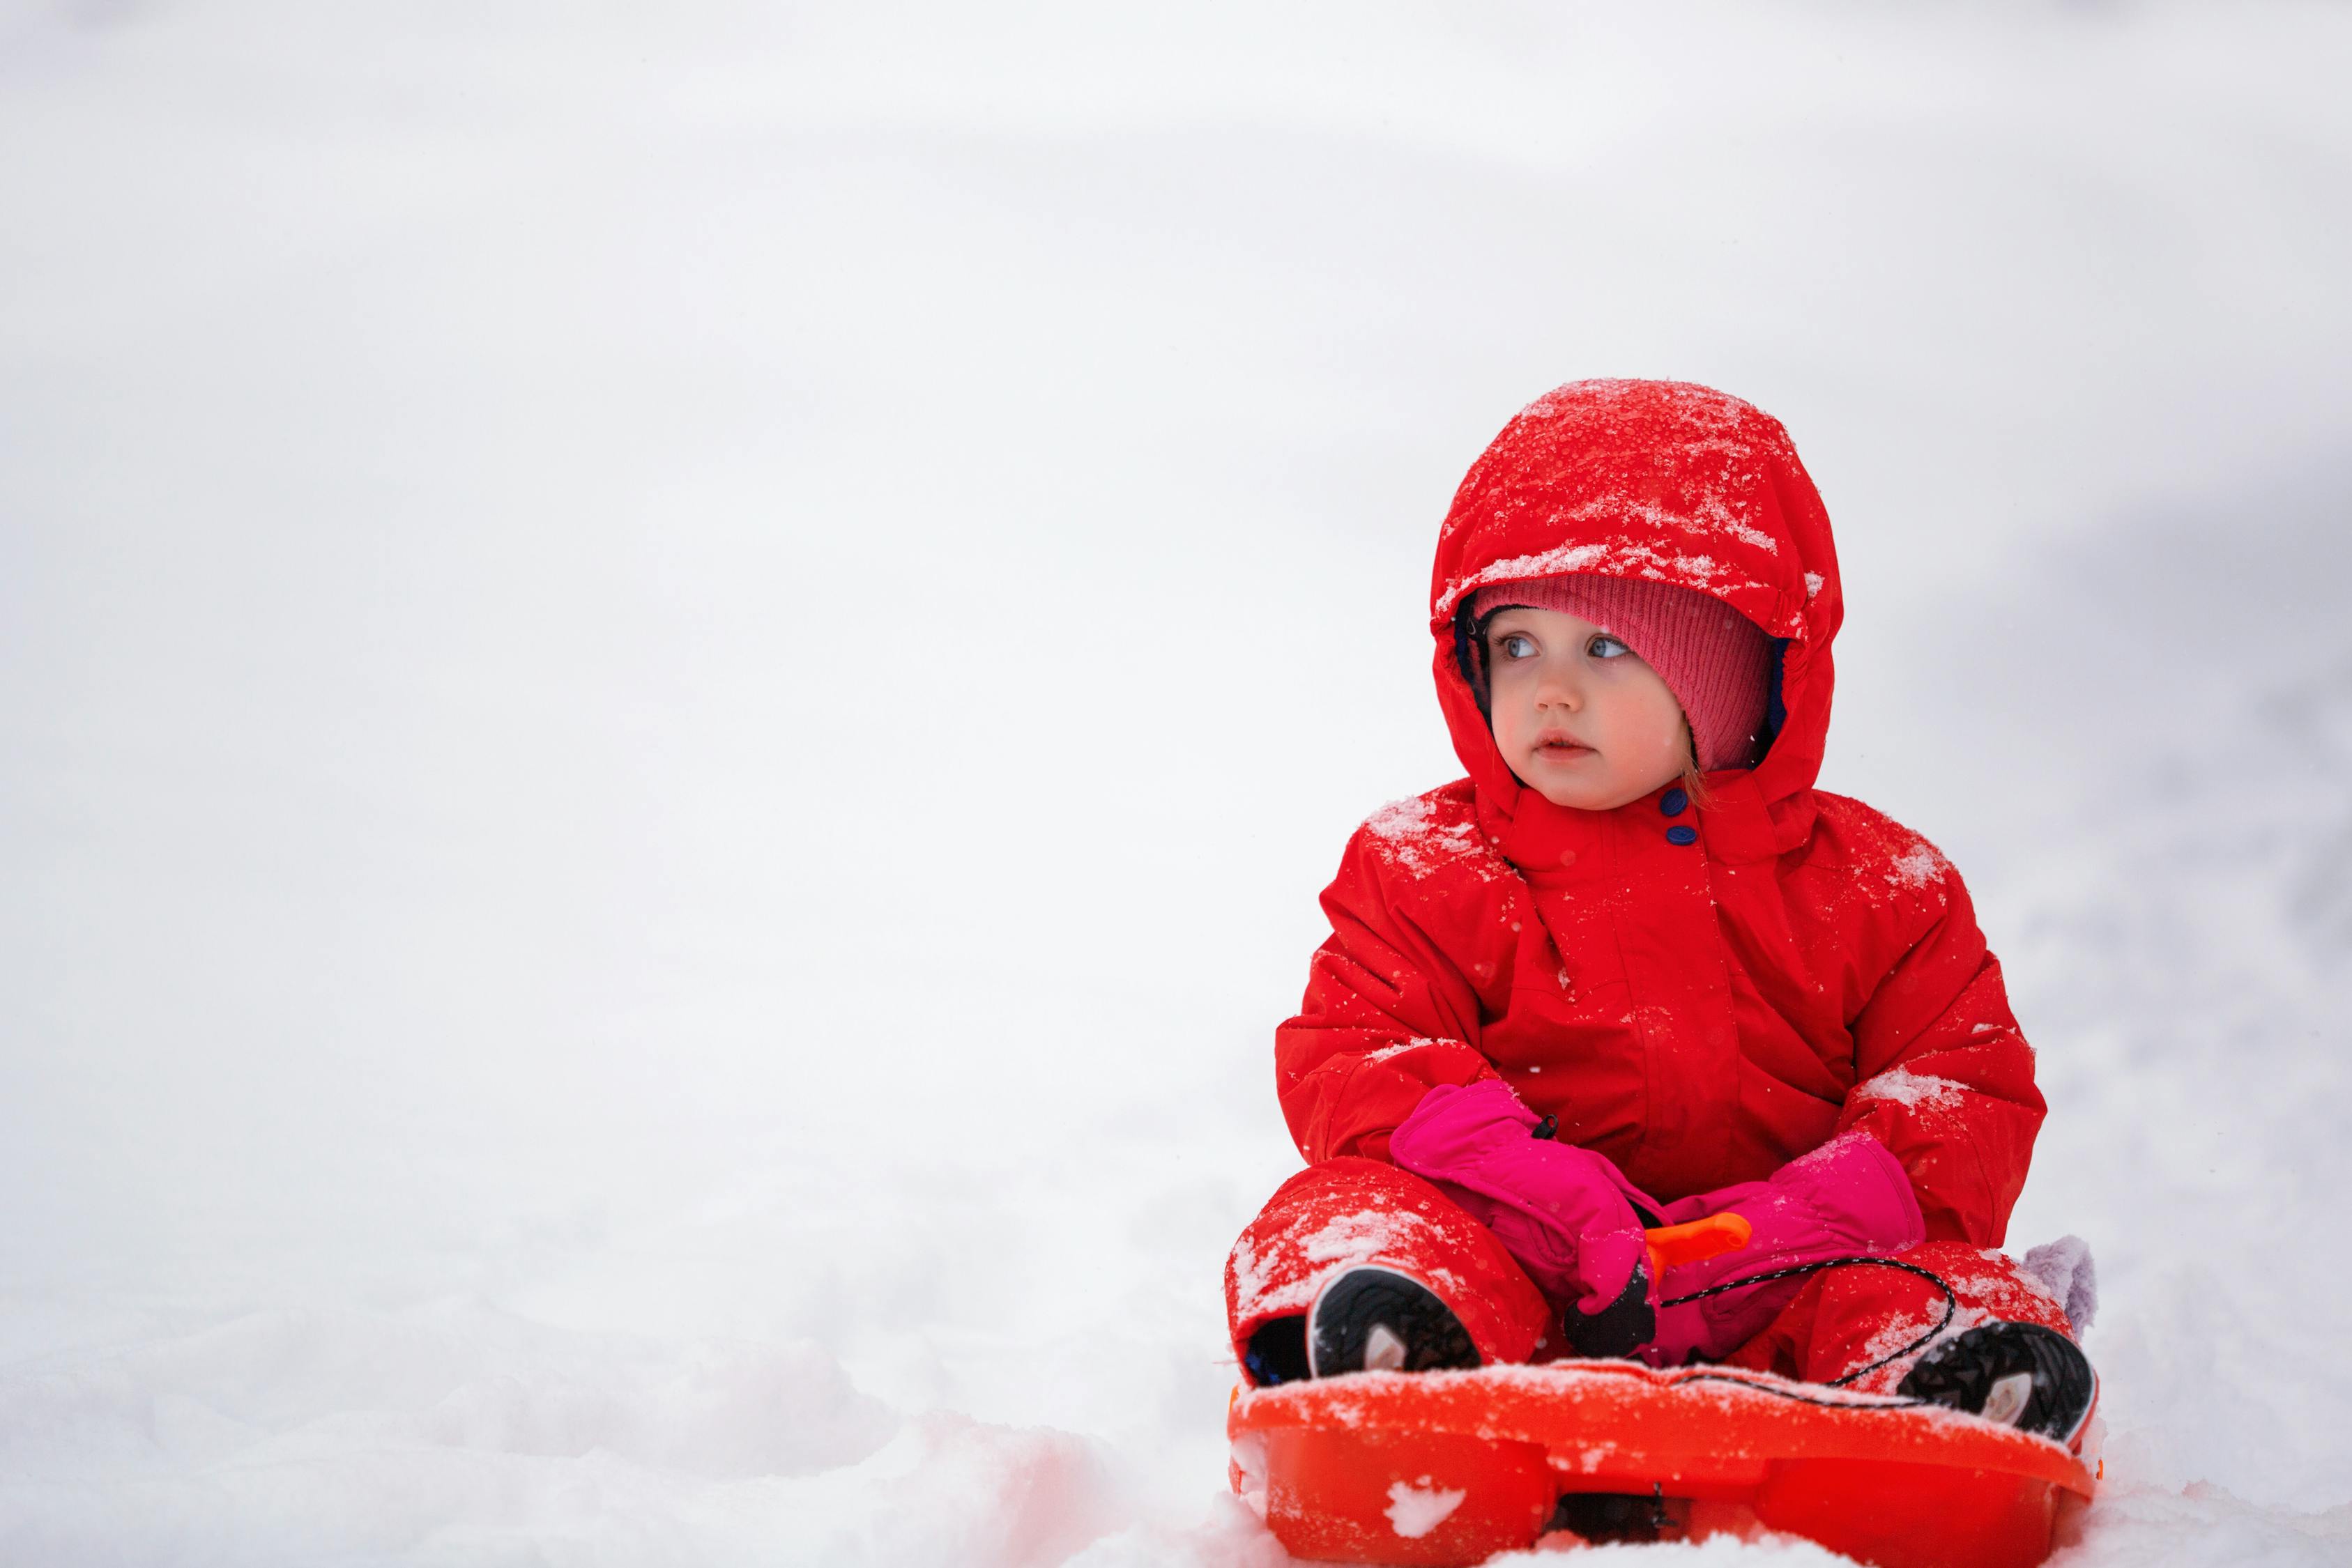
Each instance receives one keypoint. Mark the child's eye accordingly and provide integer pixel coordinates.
(1515, 646)
(1604, 646)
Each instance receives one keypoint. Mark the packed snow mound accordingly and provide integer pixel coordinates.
(2203, 1524)
(461, 1435)
(457, 1378)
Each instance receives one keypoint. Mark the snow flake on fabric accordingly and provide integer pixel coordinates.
(1284, 1276)
(1689, 401)
(1900, 1330)
(1526, 567)
(1919, 867)
(1828, 1157)
(1913, 1091)
(1619, 557)
(1814, 582)
(1887, 859)
(1417, 1043)
(1360, 1238)
(1420, 835)
(1249, 1273)
(1402, 821)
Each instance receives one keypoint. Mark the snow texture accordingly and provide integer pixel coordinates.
(1420, 834)
(675, 682)
(1914, 1091)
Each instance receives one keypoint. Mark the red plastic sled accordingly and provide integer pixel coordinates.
(1453, 1467)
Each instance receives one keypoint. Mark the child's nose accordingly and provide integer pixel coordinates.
(1559, 688)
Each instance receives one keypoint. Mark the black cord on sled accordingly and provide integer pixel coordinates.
(1890, 1402)
(1951, 1310)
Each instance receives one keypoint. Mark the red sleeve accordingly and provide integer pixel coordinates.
(1945, 1080)
(1387, 1015)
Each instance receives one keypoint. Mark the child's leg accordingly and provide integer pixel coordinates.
(1344, 1212)
(1847, 1318)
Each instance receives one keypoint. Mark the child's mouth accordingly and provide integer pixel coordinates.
(1560, 750)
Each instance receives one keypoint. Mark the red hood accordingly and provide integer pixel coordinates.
(1655, 479)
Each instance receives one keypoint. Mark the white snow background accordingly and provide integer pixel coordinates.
(675, 682)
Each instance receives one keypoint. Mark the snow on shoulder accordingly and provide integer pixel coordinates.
(1430, 833)
(1886, 861)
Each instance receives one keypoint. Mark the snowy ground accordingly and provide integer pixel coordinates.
(674, 683)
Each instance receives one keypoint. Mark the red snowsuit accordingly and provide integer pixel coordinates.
(1699, 1012)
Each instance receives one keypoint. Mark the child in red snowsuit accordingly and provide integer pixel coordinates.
(1635, 969)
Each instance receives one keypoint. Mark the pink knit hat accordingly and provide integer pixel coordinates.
(1716, 662)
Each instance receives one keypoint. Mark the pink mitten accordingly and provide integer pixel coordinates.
(1848, 1198)
(1565, 1213)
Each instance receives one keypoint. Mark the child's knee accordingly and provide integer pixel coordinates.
(1344, 1212)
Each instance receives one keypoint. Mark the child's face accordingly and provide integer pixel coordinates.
(1579, 716)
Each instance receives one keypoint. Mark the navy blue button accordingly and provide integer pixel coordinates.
(1672, 803)
(1682, 835)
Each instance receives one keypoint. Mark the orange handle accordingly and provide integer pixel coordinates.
(1674, 1244)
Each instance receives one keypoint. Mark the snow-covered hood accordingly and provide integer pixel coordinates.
(1657, 479)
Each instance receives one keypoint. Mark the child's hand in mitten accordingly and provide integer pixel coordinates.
(1566, 1214)
(1850, 1197)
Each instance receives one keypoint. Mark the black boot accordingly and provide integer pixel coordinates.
(1376, 1318)
(2020, 1375)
